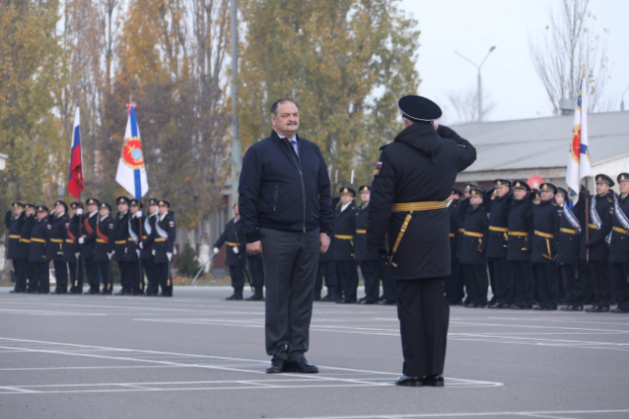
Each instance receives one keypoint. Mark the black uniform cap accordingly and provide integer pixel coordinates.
(419, 109)
(457, 191)
(536, 193)
(604, 179)
(364, 188)
(63, 204)
(76, 205)
(345, 189)
(476, 191)
(164, 203)
(42, 208)
(30, 206)
(520, 184)
(469, 186)
(135, 202)
(17, 204)
(563, 192)
(623, 177)
(92, 201)
(548, 187)
(122, 200)
(153, 201)
(105, 205)
(501, 182)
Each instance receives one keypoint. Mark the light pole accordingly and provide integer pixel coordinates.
(236, 142)
(622, 99)
(479, 92)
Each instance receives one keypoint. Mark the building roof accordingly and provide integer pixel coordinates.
(543, 142)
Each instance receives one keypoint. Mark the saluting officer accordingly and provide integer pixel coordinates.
(56, 238)
(545, 239)
(71, 249)
(121, 236)
(412, 182)
(454, 283)
(344, 230)
(25, 245)
(502, 280)
(14, 220)
(519, 245)
(88, 242)
(370, 265)
(104, 248)
(598, 258)
(132, 250)
(616, 223)
(473, 255)
(37, 257)
(163, 246)
(235, 258)
(146, 249)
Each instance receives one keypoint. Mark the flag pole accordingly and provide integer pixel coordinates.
(78, 259)
(140, 220)
(587, 219)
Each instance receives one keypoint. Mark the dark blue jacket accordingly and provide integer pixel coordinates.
(520, 230)
(37, 249)
(71, 245)
(282, 190)
(498, 235)
(546, 232)
(619, 245)
(344, 232)
(15, 234)
(232, 237)
(56, 236)
(360, 240)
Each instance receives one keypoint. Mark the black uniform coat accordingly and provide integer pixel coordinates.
(14, 225)
(474, 249)
(233, 234)
(105, 233)
(147, 234)
(164, 226)
(131, 247)
(454, 227)
(499, 218)
(600, 251)
(121, 236)
(419, 166)
(37, 249)
(56, 236)
(545, 220)
(570, 243)
(360, 239)
(88, 230)
(25, 235)
(520, 221)
(619, 245)
(71, 245)
(344, 224)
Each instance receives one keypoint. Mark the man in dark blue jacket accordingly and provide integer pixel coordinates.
(14, 222)
(285, 213)
(56, 238)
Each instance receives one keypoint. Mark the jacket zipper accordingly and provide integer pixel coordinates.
(301, 177)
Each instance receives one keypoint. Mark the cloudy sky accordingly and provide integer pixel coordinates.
(471, 27)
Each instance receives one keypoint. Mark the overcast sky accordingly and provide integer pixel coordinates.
(471, 27)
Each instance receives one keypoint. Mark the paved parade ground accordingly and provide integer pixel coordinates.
(198, 356)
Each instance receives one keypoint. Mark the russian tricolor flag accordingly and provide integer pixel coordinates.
(131, 173)
(75, 182)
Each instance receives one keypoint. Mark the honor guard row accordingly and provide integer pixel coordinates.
(84, 244)
(536, 250)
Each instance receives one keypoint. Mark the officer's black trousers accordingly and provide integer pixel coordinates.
(599, 273)
(162, 271)
(546, 274)
(126, 275)
(588, 289)
(476, 283)
(454, 283)
(104, 272)
(20, 267)
(61, 276)
(137, 278)
(76, 287)
(502, 281)
(237, 272)
(92, 273)
(572, 283)
(389, 288)
(40, 277)
(257, 272)
(621, 278)
(347, 274)
(424, 315)
(522, 283)
(491, 276)
(148, 268)
(371, 270)
(31, 277)
(327, 270)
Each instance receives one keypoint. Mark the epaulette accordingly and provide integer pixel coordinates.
(384, 146)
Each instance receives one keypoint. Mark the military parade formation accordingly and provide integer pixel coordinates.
(83, 244)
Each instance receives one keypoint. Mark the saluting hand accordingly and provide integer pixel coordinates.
(254, 248)
(325, 242)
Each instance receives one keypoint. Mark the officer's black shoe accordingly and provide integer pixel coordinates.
(151, 294)
(538, 308)
(361, 300)
(122, 292)
(169, 294)
(233, 297)
(515, 307)
(566, 308)
(433, 381)
(365, 301)
(138, 292)
(255, 297)
(407, 381)
(43, 292)
(276, 367)
(504, 306)
(105, 292)
(576, 307)
(329, 298)
(15, 292)
(603, 308)
(620, 310)
(479, 305)
(468, 305)
(494, 305)
(302, 366)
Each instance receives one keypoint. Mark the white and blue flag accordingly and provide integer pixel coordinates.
(131, 173)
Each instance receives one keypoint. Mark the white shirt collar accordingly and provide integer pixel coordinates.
(105, 217)
(294, 138)
(344, 206)
(153, 214)
(161, 217)
(93, 213)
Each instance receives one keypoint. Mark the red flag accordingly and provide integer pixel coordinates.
(75, 182)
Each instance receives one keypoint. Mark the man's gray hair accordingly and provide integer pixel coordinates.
(408, 120)
(278, 103)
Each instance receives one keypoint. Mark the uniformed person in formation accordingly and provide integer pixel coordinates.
(616, 227)
(121, 235)
(13, 221)
(38, 255)
(412, 181)
(71, 249)
(344, 230)
(56, 241)
(25, 245)
(327, 270)
(164, 236)
(146, 249)
(520, 225)
(87, 241)
(132, 250)
(104, 249)
(370, 265)
(598, 259)
(235, 258)
(455, 289)
(502, 279)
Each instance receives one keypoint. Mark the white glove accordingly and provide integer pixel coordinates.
(170, 256)
(52, 212)
(235, 249)
(81, 240)
(113, 252)
(110, 255)
(126, 250)
(76, 255)
(138, 252)
(79, 211)
(216, 250)
(153, 252)
(141, 245)
(139, 214)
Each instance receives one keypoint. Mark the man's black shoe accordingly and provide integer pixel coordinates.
(123, 292)
(407, 381)
(255, 297)
(433, 381)
(598, 309)
(504, 306)
(365, 301)
(168, 294)
(479, 305)
(276, 367)
(233, 297)
(493, 305)
(620, 310)
(328, 298)
(301, 366)
(16, 292)
(468, 305)
(515, 307)
(105, 292)
(575, 307)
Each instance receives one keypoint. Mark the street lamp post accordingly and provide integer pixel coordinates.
(479, 92)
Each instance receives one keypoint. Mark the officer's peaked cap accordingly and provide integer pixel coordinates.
(419, 109)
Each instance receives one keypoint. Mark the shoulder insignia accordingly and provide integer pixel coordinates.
(554, 204)
(376, 172)
(67, 225)
(610, 200)
(462, 146)
(353, 207)
(172, 223)
(49, 227)
(611, 210)
(111, 226)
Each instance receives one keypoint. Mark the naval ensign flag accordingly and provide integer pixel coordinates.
(131, 173)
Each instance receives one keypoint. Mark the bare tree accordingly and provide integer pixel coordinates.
(570, 49)
(465, 104)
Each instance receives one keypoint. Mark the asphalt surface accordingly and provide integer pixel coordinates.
(198, 356)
